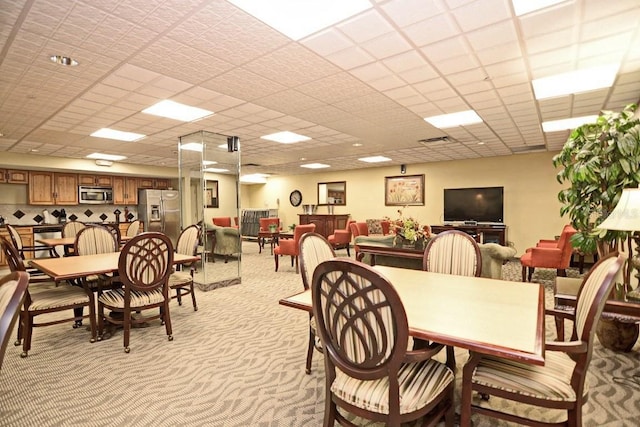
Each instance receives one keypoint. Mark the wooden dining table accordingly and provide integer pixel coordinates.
(75, 267)
(484, 315)
(67, 242)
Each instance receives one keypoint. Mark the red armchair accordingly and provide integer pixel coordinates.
(549, 254)
(265, 222)
(341, 238)
(222, 221)
(290, 246)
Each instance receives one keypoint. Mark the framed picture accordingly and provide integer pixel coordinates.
(211, 199)
(404, 190)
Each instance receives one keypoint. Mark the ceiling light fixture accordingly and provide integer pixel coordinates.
(255, 178)
(63, 60)
(286, 137)
(175, 110)
(375, 159)
(208, 162)
(101, 156)
(522, 7)
(564, 124)
(192, 146)
(575, 81)
(215, 170)
(315, 166)
(117, 134)
(461, 118)
(107, 163)
(297, 19)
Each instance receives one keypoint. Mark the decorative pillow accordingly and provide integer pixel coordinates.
(374, 226)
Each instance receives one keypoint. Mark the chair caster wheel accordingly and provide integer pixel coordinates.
(99, 338)
(195, 309)
(484, 396)
(170, 337)
(307, 371)
(127, 350)
(77, 324)
(23, 354)
(17, 343)
(92, 340)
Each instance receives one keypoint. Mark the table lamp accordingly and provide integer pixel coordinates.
(626, 217)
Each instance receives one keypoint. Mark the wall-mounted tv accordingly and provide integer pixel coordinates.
(482, 205)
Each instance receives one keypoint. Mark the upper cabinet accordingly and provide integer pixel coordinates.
(98, 180)
(11, 176)
(156, 183)
(48, 188)
(125, 190)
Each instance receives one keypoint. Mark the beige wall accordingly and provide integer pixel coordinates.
(531, 207)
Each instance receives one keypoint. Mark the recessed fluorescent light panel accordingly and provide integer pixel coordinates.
(117, 134)
(314, 166)
(375, 159)
(175, 110)
(208, 162)
(564, 124)
(286, 137)
(215, 170)
(522, 7)
(461, 118)
(191, 146)
(256, 178)
(575, 81)
(100, 156)
(297, 19)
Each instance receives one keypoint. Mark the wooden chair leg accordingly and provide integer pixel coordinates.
(275, 257)
(524, 273)
(531, 270)
(307, 369)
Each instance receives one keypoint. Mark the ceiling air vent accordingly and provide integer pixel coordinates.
(427, 142)
(528, 148)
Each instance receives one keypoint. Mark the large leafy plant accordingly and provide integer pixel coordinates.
(598, 161)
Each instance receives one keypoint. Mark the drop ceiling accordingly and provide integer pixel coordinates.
(359, 88)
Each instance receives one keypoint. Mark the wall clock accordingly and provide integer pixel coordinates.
(295, 198)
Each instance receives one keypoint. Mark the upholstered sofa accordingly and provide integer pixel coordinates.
(226, 240)
(493, 256)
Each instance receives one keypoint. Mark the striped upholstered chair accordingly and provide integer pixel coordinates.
(13, 290)
(562, 382)
(70, 230)
(368, 370)
(314, 249)
(453, 252)
(144, 267)
(182, 281)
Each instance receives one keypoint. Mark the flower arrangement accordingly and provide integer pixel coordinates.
(409, 229)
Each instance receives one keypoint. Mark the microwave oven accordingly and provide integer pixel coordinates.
(95, 195)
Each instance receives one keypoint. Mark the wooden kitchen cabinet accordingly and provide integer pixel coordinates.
(125, 190)
(97, 180)
(325, 224)
(50, 188)
(154, 183)
(12, 176)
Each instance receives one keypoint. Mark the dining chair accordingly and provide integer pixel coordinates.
(144, 267)
(291, 246)
(452, 252)
(44, 297)
(134, 228)
(369, 372)
(314, 249)
(69, 230)
(180, 280)
(13, 291)
(561, 383)
(93, 240)
(16, 239)
(114, 229)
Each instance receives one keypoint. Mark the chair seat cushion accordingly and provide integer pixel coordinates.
(549, 382)
(45, 296)
(179, 278)
(115, 298)
(420, 383)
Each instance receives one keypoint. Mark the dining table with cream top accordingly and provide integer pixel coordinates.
(75, 267)
(484, 315)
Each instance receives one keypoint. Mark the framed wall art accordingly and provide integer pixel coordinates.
(404, 190)
(211, 199)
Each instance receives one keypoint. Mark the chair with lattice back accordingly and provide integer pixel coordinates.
(369, 372)
(144, 267)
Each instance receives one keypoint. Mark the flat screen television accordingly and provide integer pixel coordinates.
(481, 205)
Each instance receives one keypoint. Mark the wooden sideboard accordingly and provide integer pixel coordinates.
(481, 233)
(325, 223)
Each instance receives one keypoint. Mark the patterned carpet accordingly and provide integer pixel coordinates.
(238, 361)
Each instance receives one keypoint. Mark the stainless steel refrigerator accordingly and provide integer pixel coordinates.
(159, 210)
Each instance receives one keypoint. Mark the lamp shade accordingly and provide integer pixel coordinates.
(626, 214)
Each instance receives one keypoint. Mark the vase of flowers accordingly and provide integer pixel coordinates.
(408, 232)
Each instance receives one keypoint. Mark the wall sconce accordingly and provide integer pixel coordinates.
(403, 169)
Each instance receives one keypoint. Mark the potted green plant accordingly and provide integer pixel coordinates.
(598, 161)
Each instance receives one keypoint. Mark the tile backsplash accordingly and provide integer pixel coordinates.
(31, 215)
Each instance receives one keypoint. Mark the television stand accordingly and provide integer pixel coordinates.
(481, 233)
